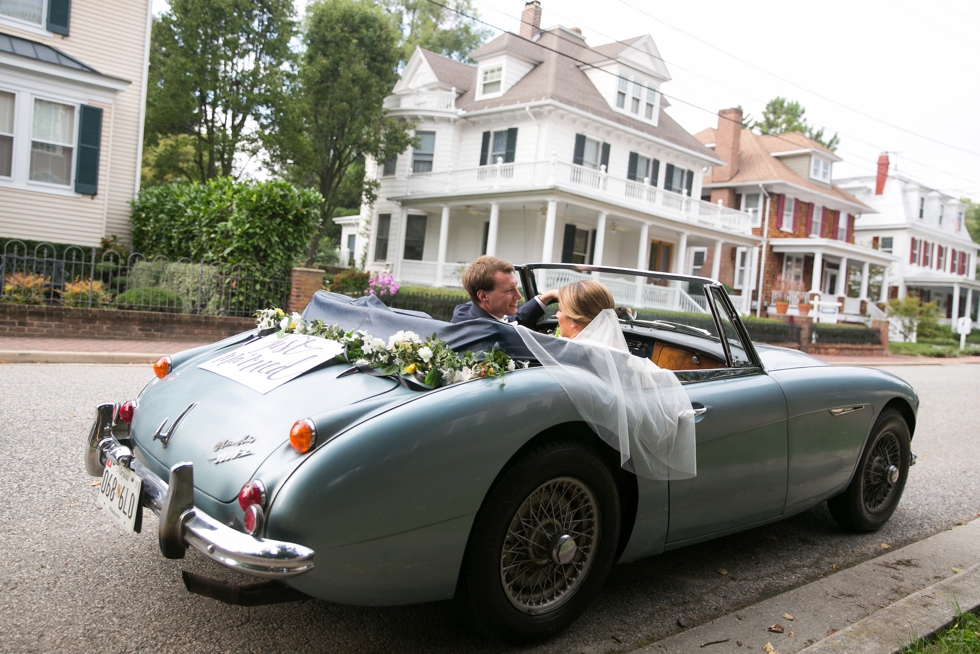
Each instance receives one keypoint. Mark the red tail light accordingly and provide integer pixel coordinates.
(252, 492)
(126, 411)
(254, 519)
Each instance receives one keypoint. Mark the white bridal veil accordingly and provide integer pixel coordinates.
(635, 406)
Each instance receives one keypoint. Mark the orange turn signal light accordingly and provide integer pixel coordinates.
(303, 436)
(162, 367)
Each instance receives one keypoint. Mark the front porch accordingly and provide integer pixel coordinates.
(955, 296)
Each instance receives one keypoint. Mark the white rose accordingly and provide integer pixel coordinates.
(510, 366)
(425, 353)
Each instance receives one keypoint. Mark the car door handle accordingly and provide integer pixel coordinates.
(701, 411)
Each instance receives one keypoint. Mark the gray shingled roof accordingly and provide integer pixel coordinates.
(40, 52)
(558, 77)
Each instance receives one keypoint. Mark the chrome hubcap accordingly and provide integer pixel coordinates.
(892, 474)
(550, 545)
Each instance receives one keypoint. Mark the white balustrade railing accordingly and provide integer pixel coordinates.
(431, 100)
(427, 272)
(873, 312)
(537, 174)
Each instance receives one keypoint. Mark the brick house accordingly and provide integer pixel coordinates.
(805, 221)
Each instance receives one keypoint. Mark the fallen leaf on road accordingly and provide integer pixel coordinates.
(776, 628)
(771, 537)
(769, 649)
(787, 616)
(95, 483)
(791, 635)
(886, 546)
(721, 571)
(833, 566)
(957, 570)
(958, 523)
(831, 632)
(73, 415)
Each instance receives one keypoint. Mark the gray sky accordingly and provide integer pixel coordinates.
(887, 76)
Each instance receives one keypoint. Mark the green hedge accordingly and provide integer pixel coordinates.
(150, 299)
(845, 334)
(264, 226)
(437, 302)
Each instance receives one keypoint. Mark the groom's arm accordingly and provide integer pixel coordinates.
(529, 313)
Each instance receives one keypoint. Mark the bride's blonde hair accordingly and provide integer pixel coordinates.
(584, 300)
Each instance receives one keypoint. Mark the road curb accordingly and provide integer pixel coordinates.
(919, 615)
(44, 356)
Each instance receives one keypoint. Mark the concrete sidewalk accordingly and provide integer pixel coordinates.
(875, 607)
(87, 350)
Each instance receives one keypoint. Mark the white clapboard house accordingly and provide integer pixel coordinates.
(544, 150)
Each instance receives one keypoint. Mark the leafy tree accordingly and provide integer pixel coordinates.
(335, 116)
(972, 218)
(911, 311)
(447, 30)
(782, 115)
(217, 69)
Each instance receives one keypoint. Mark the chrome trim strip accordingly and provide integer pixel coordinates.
(846, 409)
(164, 437)
(101, 430)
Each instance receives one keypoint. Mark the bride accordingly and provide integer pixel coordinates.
(638, 408)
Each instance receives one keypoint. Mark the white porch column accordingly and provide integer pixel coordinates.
(955, 313)
(748, 279)
(716, 261)
(492, 231)
(642, 256)
(681, 258)
(547, 252)
(816, 281)
(400, 247)
(642, 261)
(841, 278)
(969, 301)
(865, 271)
(443, 242)
(883, 296)
(600, 239)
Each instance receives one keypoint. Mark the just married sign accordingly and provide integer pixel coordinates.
(272, 361)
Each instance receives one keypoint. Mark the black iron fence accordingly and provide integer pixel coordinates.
(83, 277)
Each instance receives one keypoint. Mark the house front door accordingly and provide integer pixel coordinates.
(829, 285)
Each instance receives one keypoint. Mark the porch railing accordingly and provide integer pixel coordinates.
(426, 272)
(627, 292)
(598, 183)
(431, 100)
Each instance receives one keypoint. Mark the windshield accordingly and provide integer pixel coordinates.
(663, 303)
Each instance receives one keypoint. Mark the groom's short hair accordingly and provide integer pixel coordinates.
(481, 275)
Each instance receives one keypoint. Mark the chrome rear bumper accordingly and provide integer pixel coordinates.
(183, 525)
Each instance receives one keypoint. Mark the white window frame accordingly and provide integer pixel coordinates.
(741, 267)
(786, 220)
(74, 143)
(650, 109)
(793, 265)
(636, 98)
(13, 137)
(891, 244)
(820, 169)
(842, 226)
(694, 252)
(816, 222)
(499, 69)
(756, 220)
(416, 151)
(39, 29)
(622, 86)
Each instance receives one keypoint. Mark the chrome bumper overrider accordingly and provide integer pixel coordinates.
(181, 524)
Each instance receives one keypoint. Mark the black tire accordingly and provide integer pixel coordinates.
(879, 480)
(515, 584)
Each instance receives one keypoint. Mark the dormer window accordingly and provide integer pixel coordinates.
(621, 92)
(637, 95)
(820, 169)
(651, 103)
(492, 79)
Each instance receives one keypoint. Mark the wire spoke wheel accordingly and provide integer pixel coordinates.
(881, 473)
(550, 545)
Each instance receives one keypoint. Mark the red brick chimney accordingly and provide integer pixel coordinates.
(882, 174)
(727, 140)
(531, 19)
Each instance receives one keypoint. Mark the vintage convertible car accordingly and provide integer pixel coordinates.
(490, 491)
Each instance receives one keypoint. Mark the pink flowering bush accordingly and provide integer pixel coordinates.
(383, 285)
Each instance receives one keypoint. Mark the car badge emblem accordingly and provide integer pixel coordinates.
(230, 456)
(165, 436)
(247, 439)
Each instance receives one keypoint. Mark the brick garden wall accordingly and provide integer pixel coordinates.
(65, 322)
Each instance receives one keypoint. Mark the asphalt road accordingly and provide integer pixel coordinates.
(73, 581)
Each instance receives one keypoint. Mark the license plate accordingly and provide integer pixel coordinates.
(119, 495)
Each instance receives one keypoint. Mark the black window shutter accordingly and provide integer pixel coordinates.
(579, 150)
(59, 15)
(690, 183)
(654, 171)
(568, 246)
(631, 169)
(511, 145)
(591, 247)
(669, 181)
(486, 236)
(89, 143)
(485, 149)
(605, 156)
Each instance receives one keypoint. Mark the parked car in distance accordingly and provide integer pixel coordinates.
(355, 486)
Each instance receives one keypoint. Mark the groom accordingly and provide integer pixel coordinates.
(491, 285)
